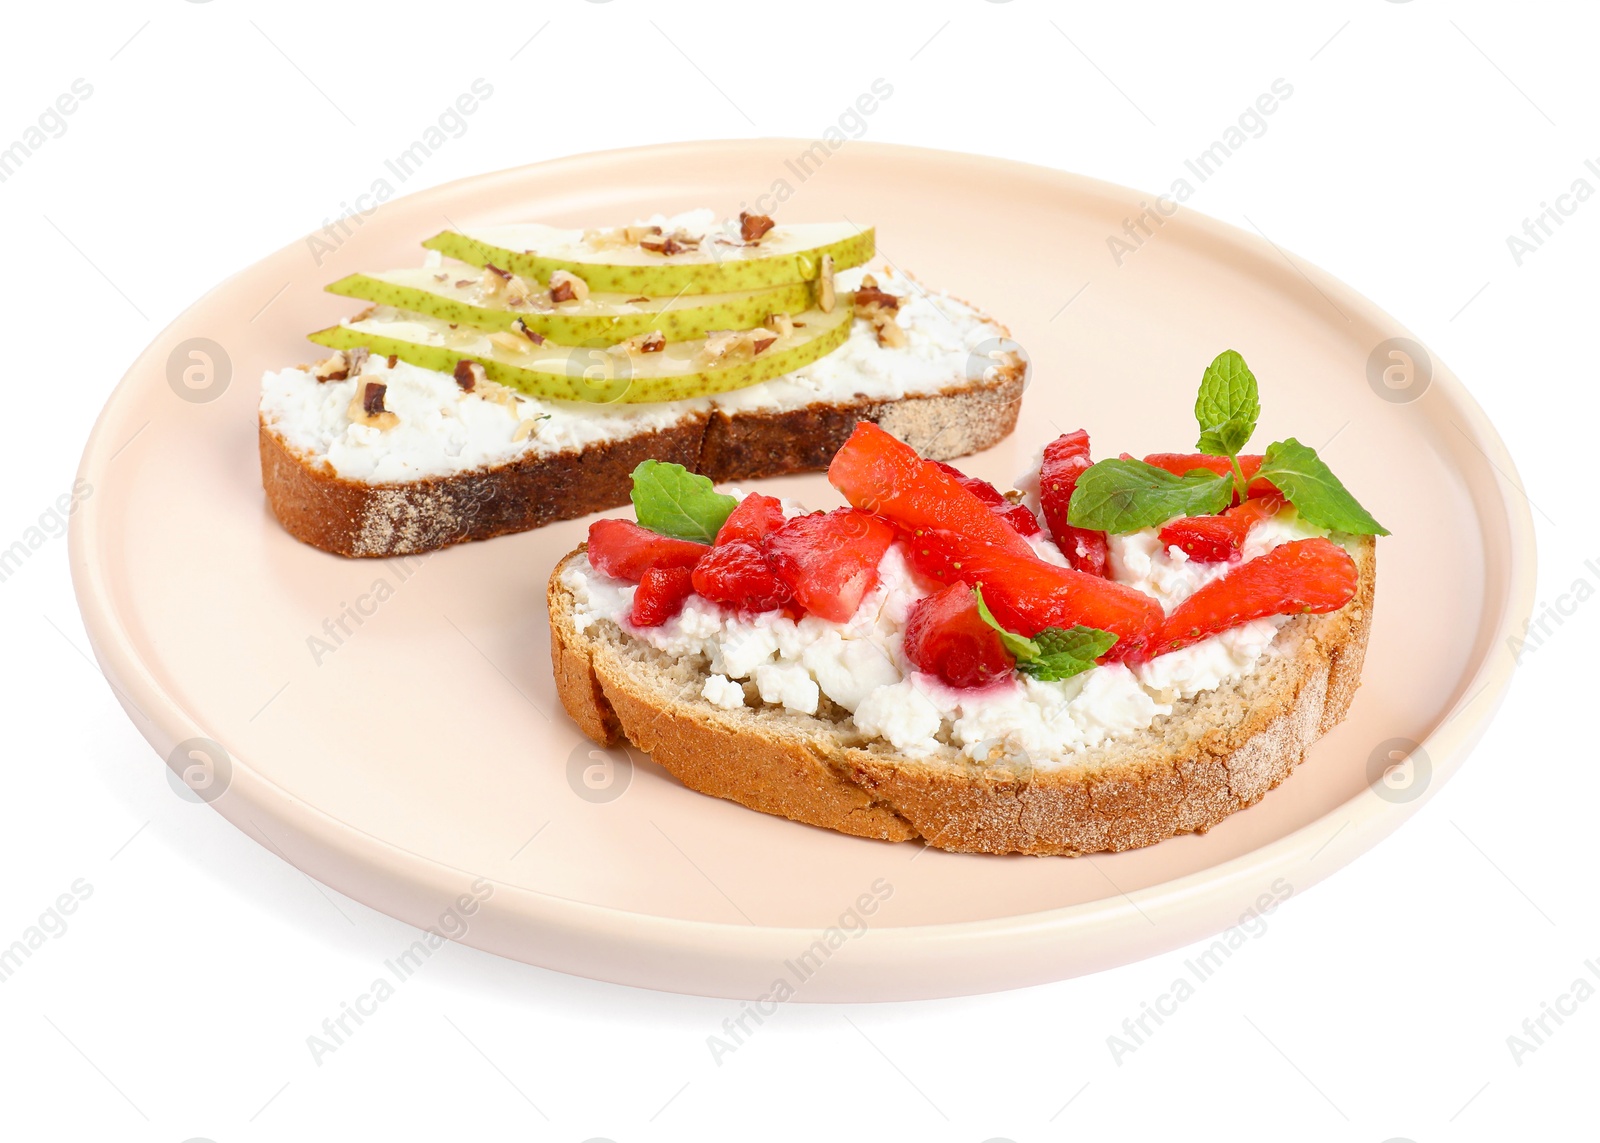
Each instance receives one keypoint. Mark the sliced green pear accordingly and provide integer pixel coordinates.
(613, 261)
(462, 296)
(624, 372)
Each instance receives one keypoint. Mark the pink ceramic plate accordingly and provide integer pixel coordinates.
(392, 727)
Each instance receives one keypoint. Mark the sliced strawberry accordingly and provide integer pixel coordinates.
(751, 519)
(1065, 459)
(945, 636)
(880, 474)
(623, 550)
(829, 560)
(1019, 516)
(1179, 463)
(738, 574)
(1208, 539)
(1027, 594)
(1301, 576)
(661, 595)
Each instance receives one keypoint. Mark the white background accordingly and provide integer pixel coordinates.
(1375, 1006)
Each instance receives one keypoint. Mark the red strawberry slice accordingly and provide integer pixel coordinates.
(738, 574)
(1019, 516)
(1179, 463)
(1302, 576)
(1065, 459)
(1208, 539)
(623, 550)
(661, 595)
(751, 519)
(829, 561)
(945, 636)
(1026, 594)
(880, 474)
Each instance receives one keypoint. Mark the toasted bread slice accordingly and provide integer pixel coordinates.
(1216, 753)
(956, 390)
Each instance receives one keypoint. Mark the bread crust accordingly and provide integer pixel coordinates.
(355, 518)
(1213, 756)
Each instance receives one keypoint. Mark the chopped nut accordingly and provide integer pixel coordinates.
(510, 342)
(566, 287)
(760, 340)
(498, 393)
(753, 226)
(334, 368)
(521, 327)
(780, 324)
(366, 407)
(868, 282)
(525, 428)
(440, 277)
(636, 301)
(675, 243)
(888, 330)
(869, 298)
(463, 283)
(394, 359)
(825, 291)
(633, 235)
(653, 342)
(469, 374)
(720, 345)
(493, 282)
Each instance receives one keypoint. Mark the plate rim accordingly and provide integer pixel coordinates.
(343, 855)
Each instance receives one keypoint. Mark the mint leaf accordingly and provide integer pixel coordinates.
(1019, 647)
(1315, 491)
(1228, 406)
(671, 500)
(1126, 495)
(1067, 652)
(1055, 653)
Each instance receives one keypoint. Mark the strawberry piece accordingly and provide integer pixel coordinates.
(623, 550)
(751, 519)
(738, 574)
(1208, 539)
(1302, 576)
(1019, 516)
(945, 636)
(1179, 463)
(1026, 594)
(880, 474)
(1065, 459)
(829, 560)
(661, 594)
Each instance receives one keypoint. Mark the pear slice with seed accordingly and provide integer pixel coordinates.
(604, 374)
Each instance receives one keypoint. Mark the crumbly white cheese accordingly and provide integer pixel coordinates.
(860, 665)
(443, 431)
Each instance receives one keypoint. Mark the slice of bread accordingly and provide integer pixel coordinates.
(948, 396)
(1216, 753)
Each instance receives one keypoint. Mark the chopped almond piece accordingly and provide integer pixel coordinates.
(825, 291)
(567, 287)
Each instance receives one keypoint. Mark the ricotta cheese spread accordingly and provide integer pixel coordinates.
(860, 665)
(443, 431)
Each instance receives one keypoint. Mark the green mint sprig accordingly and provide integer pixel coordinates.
(1126, 495)
(1117, 496)
(1053, 654)
(671, 500)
